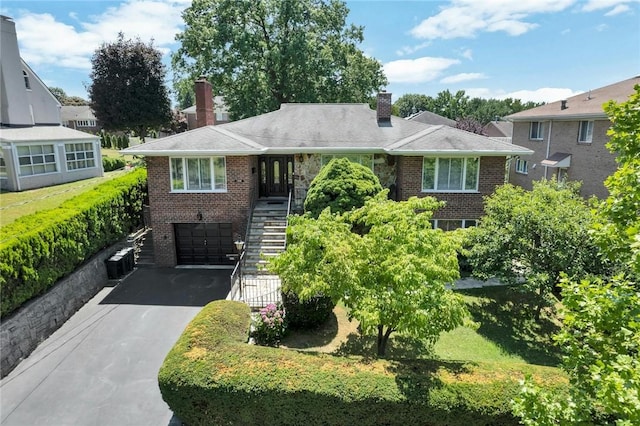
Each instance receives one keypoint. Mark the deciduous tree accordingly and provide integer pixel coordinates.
(127, 90)
(260, 54)
(384, 261)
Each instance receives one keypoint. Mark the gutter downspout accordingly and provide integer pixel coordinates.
(546, 168)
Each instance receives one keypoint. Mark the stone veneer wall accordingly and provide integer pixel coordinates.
(168, 208)
(459, 205)
(307, 166)
(21, 333)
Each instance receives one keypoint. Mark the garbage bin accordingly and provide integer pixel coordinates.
(114, 267)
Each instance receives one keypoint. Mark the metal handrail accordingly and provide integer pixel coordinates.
(287, 218)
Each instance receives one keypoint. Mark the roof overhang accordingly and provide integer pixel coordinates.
(563, 117)
(189, 153)
(559, 160)
(460, 153)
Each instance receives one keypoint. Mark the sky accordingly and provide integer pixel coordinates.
(533, 50)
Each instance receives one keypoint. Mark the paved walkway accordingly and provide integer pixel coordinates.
(101, 367)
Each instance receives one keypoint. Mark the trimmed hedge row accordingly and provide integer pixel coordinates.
(212, 376)
(38, 249)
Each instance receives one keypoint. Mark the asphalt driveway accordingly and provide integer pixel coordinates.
(100, 368)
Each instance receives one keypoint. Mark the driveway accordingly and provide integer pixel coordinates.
(100, 368)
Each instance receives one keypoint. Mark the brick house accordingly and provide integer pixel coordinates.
(568, 138)
(209, 178)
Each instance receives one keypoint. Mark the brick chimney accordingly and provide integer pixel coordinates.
(383, 108)
(205, 115)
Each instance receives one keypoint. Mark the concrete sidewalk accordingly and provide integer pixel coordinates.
(100, 368)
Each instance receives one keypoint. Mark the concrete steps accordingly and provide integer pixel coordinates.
(267, 235)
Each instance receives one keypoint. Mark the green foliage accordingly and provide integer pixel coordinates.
(601, 341)
(62, 97)
(127, 90)
(112, 163)
(259, 55)
(535, 236)
(38, 249)
(270, 325)
(383, 260)
(341, 185)
(211, 376)
(306, 314)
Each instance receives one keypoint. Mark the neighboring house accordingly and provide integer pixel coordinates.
(79, 117)
(428, 117)
(206, 180)
(221, 114)
(568, 138)
(35, 149)
(499, 129)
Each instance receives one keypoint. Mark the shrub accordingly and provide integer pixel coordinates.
(306, 314)
(270, 325)
(212, 376)
(112, 163)
(38, 249)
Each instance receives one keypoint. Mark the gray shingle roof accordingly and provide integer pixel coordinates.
(585, 105)
(316, 128)
(76, 112)
(428, 117)
(42, 134)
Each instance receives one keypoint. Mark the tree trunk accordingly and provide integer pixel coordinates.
(383, 338)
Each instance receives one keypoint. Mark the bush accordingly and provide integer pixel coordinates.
(270, 325)
(38, 249)
(112, 163)
(306, 314)
(212, 376)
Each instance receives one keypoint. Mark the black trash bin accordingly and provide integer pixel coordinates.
(114, 267)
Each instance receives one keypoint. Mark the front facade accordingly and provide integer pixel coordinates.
(202, 183)
(569, 140)
(35, 149)
(80, 117)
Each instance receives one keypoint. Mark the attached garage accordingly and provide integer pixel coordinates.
(204, 243)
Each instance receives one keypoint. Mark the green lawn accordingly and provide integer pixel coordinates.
(17, 204)
(504, 332)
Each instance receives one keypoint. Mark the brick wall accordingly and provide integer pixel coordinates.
(168, 208)
(459, 205)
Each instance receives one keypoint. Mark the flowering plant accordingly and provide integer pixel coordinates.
(269, 326)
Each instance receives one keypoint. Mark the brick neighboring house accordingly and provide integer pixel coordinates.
(79, 117)
(209, 177)
(568, 138)
(35, 149)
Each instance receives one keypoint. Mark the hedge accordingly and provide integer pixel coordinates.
(212, 376)
(110, 164)
(38, 249)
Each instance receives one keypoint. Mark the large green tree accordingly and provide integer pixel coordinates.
(535, 236)
(127, 90)
(260, 54)
(65, 99)
(384, 261)
(341, 185)
(412, 103)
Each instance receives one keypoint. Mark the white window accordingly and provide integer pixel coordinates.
(586, 132)
(80, 155)
(364, 159)
(535, 131)
(36, 159)
(451, 224)
(199, 174)
(26, 80)
(450, 174)
(522, 166)
(3, 167)
(86, 123)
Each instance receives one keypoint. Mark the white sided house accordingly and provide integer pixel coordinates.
(35, 149)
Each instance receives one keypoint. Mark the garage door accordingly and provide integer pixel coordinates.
(204, 243)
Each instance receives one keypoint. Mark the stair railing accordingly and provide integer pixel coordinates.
(286, 224)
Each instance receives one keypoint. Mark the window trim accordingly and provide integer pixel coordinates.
(464, 176)
(464, 223)
(581, 138)
(185, 175)
(27, 82)
(539, 132)
(521, 170)
(55, 161)
(3, 166)
(67, 161)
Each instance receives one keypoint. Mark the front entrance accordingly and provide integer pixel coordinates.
(276, 175)
(204, 243)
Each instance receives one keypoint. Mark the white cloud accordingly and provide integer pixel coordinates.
(467, 54)
(466, 18)
(44, 40)
(418, 70)
(467, 76)
(616, 6)
(600, 28)
(407, 50)
(565, 31)
(544, 94)
(621, 8)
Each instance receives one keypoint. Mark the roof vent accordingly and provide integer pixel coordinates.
(563, 104)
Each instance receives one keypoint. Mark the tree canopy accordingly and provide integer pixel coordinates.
(535, 235)
(341, 185)
(64, 99)
(260, 54)
(127, 90)
(383, 260)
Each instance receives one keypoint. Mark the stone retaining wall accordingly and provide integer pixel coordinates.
(21, 333)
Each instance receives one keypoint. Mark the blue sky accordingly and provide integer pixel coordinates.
(539, 50)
